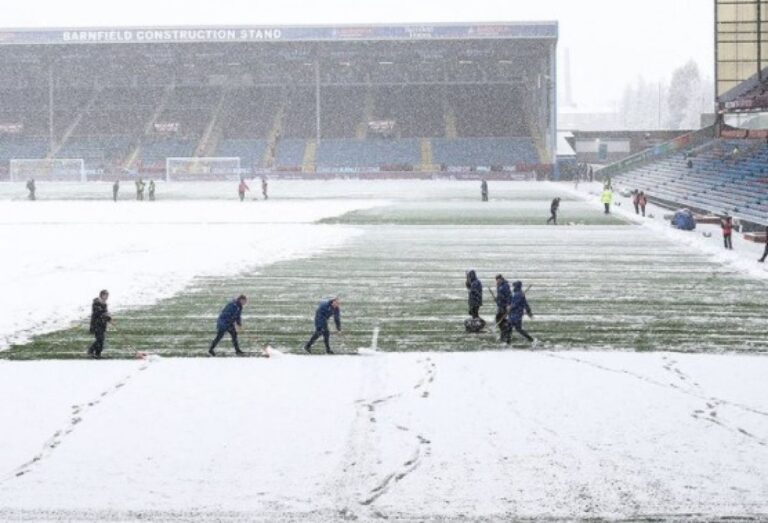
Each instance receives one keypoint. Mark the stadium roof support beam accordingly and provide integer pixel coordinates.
(317, 100)
(552, 86)
(51, 132)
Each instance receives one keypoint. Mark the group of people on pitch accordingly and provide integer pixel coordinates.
(229, 322)
(511, 306)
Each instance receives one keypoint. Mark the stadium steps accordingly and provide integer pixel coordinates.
(75, 123)
(538, 142)
(210, 138)
(161, 105)
(370, 106)
(310, 152)
(449, 115)
(715, 184)
(427, 164)
(268, 160)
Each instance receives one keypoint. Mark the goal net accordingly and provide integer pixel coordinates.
(60, 169)
(204, 168)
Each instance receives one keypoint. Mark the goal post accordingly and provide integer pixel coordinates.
(202, 168)
(56, 169)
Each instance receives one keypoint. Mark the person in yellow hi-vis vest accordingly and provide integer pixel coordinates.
(607, 199)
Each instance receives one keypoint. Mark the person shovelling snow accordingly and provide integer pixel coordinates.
(475, 300)
(518, 306)
(325, 310)
(100, 318)
(230, 321)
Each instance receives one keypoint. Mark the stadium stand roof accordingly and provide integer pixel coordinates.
(208, 34)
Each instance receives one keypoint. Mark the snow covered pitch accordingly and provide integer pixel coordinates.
(645, 400)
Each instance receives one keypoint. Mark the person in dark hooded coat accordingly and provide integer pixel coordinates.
(326, 310)
(475, 288)
(519, 306)
(475, 301)
(229, 321)
(503, 299)
(100, 318)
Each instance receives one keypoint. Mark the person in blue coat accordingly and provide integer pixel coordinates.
(519, 306)
(229, 321)
(475, 301)
(503, 299)
(325, 310)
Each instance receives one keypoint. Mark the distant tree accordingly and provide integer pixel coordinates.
(684, 104)
(640, 104)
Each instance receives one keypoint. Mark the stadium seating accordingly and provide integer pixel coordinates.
(156, 151)
(487, 112)
(249, 113)
(466, 126)
(342, 111)
(380, 153)
(290, 153)
(98, 152)
(300, 120)
(13, 146)
(418, 113)
(250, 152)
(474, 152)
(719, 181)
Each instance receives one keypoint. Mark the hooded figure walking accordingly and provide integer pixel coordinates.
(229, 321)
(518, 307)
(484, 190)
(503, 300)
(325, 310)
(475, 301)
(100, 318)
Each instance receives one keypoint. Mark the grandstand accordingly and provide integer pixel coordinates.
(723, 168)
(413, 100)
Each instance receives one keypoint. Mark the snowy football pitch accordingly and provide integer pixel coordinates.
(645, 398)
(597, 282)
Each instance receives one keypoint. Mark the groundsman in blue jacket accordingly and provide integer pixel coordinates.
(229, 321)
(517, 308)
(325, 310)
(503, 299)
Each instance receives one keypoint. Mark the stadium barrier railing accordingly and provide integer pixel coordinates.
(686, 141)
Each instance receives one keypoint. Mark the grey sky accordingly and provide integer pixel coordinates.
(611, 41)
